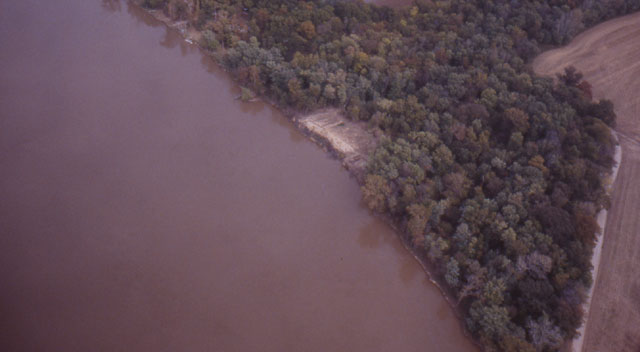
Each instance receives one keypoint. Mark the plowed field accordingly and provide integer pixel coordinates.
(609, 57)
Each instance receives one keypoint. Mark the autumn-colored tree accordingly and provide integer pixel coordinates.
(418, 217)
(587, 228)
(518, 118)
(307, 29)
(375, 192)
(571, 76)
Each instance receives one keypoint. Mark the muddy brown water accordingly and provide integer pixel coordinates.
(143, 208)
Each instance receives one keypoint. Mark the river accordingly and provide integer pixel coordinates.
(145, 209)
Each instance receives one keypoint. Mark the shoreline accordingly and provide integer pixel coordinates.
(350, 142)
(353, 157)
(351, 147)
(355, 165)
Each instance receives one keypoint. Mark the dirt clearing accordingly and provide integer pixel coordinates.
(351, 141)
(609, 57)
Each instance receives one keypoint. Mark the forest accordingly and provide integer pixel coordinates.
(492, 173)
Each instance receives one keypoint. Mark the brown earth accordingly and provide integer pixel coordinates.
(351, 141)
(609, 57)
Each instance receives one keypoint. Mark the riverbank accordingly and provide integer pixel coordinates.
(349, 141)
(324, 128)
(608, 55)
(145, 208)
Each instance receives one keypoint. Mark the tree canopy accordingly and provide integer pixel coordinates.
(494, 174)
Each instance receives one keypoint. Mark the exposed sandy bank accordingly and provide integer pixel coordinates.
(609, 57)
(350, 140)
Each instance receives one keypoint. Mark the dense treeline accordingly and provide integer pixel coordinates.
(495, 174)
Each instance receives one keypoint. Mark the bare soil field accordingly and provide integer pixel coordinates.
(609, 57)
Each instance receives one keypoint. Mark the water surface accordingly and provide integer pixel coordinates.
(145, 209)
